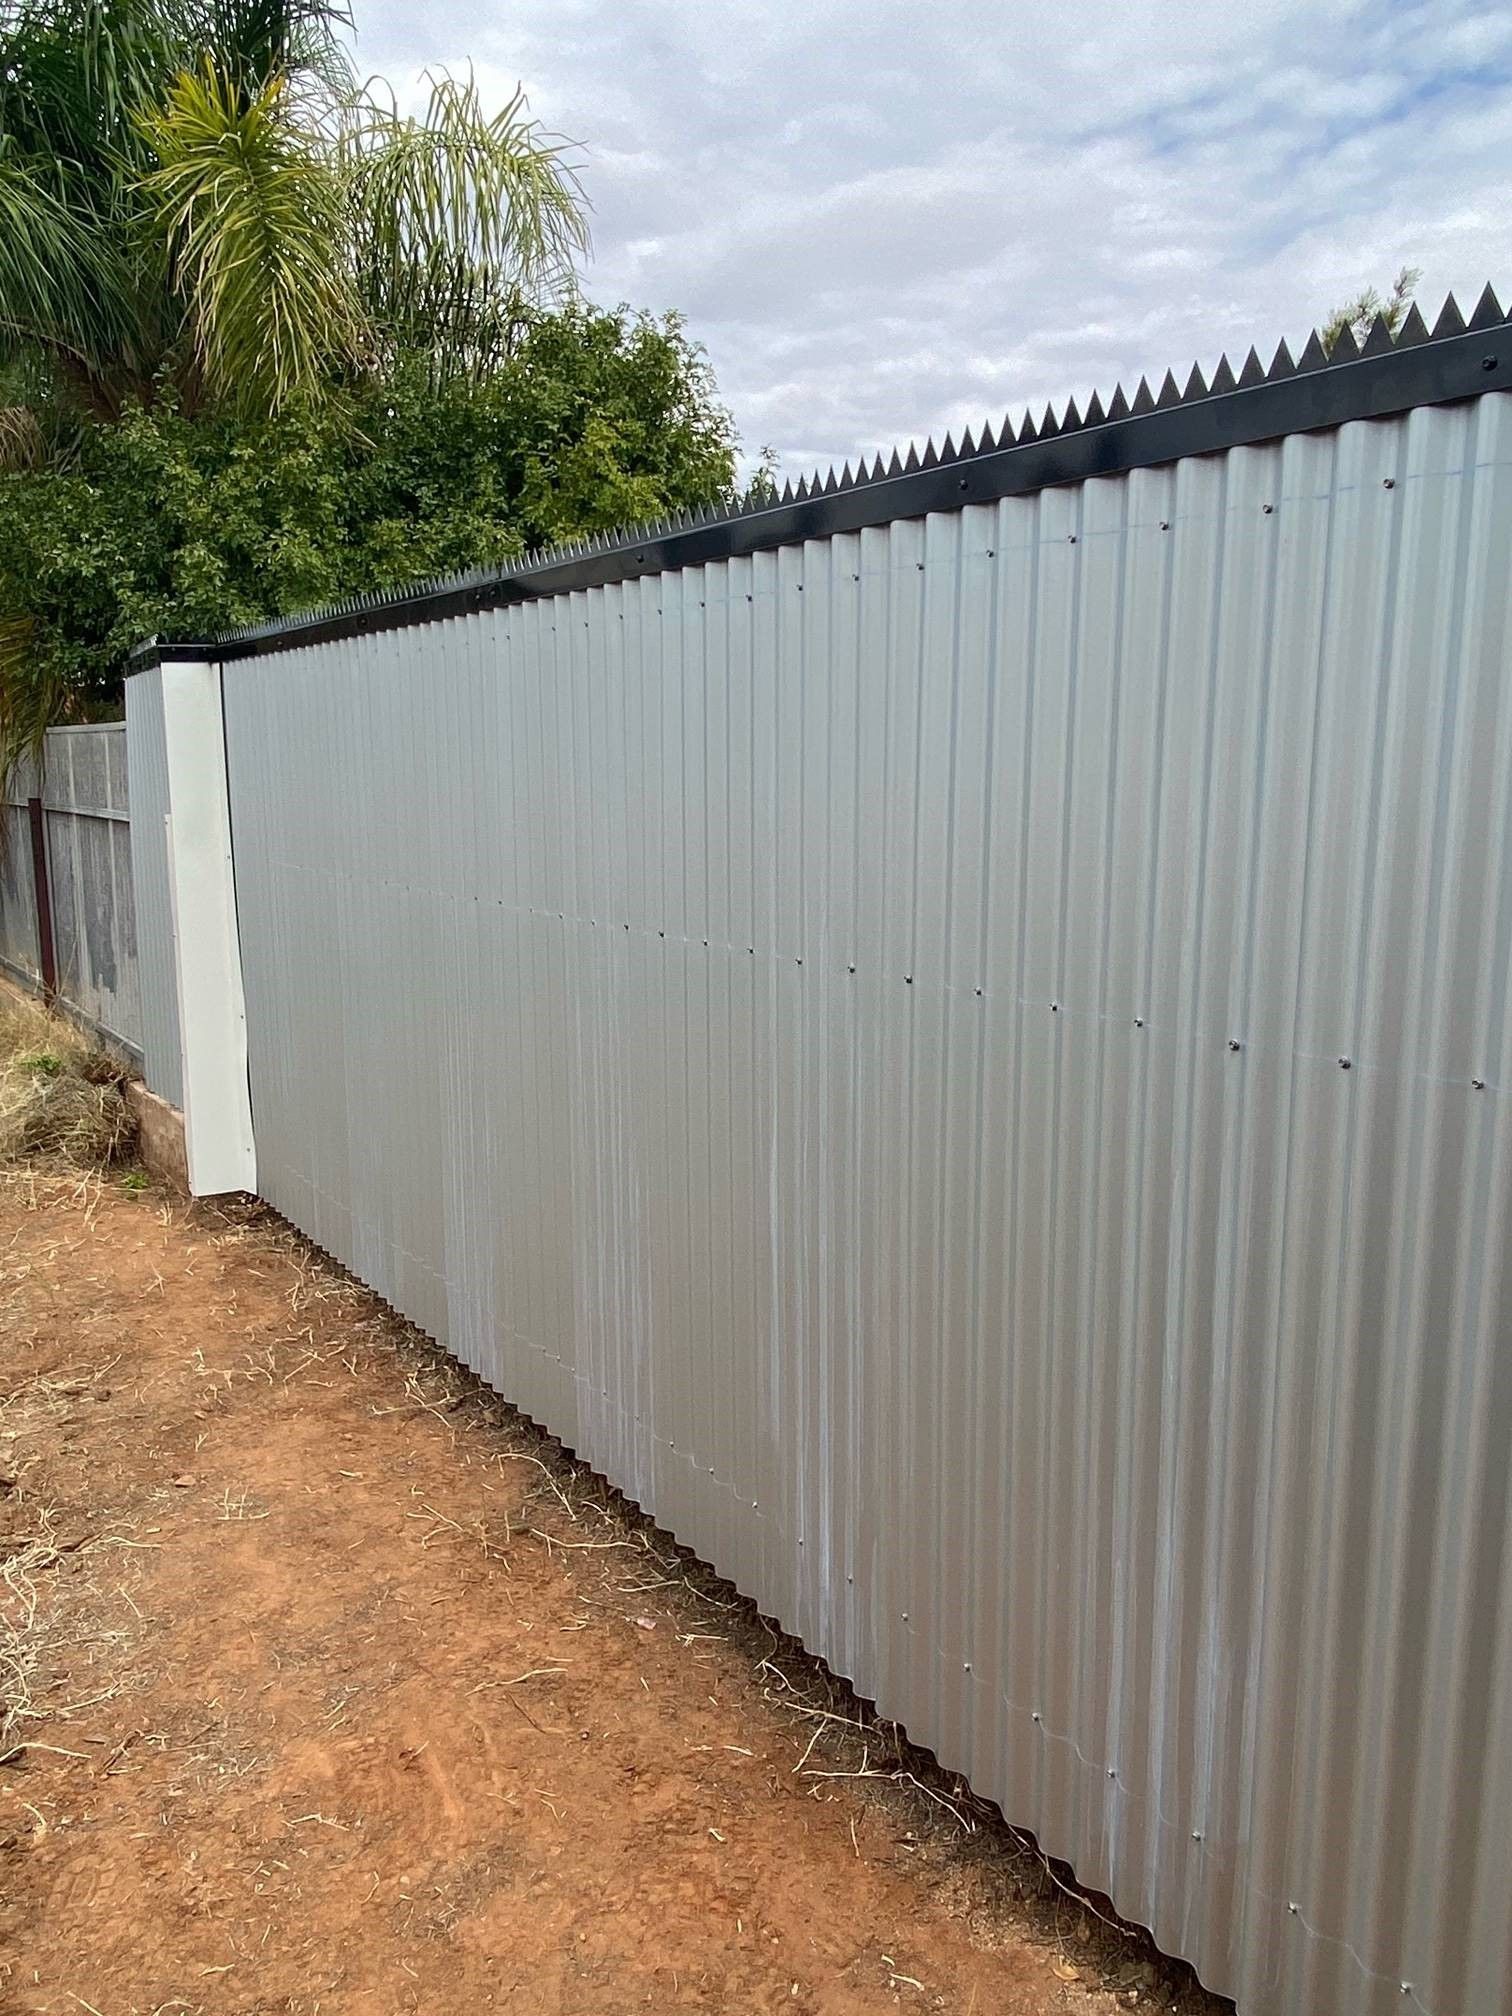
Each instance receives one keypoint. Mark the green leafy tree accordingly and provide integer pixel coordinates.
(198, 195)
(162, 523)
(1358, 316)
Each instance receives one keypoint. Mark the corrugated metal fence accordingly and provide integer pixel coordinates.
(82, 786)
(965, 1064)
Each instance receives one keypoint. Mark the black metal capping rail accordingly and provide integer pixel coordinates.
(1387, 374)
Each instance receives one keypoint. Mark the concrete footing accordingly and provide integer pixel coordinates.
(161, 1130)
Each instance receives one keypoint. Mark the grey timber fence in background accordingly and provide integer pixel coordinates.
(953, 1037)
(77, 802)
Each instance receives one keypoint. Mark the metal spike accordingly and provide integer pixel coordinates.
(895, 467)
(1223, 378)
(1254, 371)
(787, 493)
(1144, 398)
(1196, 385)
(1345, 349)
(1282, 364)
(1377, 338)
(967, 447)
(1488, 310)
(911, 460)
(1450, 321)
(1118, 405)
(830, 485)
(1170, 392)
(987, 441)
(931, 455)
(1072, 420)
(1049, 425)
(1028, 432)
(1314, 356)
(1095, 416)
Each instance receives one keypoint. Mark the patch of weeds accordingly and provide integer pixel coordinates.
(45, 1062)
(135, 1179)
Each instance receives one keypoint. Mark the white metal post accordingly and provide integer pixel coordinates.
(207, 952)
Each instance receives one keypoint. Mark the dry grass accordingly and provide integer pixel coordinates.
(58, 1095)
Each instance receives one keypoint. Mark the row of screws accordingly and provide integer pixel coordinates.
(1234, 1044)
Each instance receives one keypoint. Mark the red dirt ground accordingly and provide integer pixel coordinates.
(348, 1695)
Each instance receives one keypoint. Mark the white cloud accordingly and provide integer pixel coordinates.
(888, 219)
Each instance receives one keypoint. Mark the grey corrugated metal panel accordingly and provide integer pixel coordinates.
(1127, 1412)
(162, 1064)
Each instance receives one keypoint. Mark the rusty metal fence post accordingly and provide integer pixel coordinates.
(47, 959)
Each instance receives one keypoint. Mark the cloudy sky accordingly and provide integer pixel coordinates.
(883, 219)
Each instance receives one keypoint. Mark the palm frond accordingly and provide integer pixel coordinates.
(22, 445)
(256, 41)
(256, 223)
(460, 216)
(73, 73)
(62, 285)
(32, 697)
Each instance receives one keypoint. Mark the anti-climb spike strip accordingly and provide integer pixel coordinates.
(1487, 313)
(1344, 349)
(480, 589)
(1281, 364)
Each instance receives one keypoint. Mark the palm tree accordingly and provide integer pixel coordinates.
(198, 196)
(199, 201)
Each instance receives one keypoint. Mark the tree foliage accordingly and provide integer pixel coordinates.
(1358, 316)
(165, 524)
(266, 341)
(198, 195)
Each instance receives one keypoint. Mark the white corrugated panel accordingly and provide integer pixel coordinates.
(965, 1066)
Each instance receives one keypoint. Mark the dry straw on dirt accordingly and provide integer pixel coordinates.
(58, 1095)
